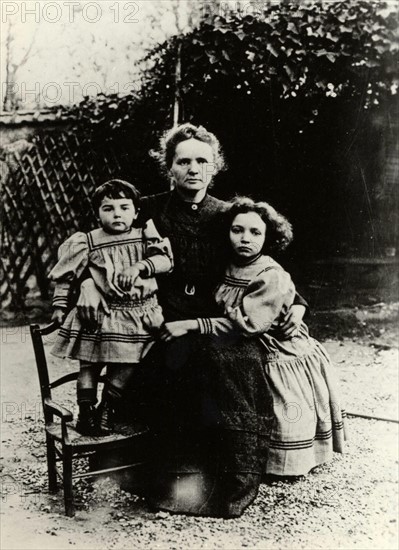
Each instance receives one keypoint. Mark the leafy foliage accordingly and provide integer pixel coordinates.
(317, 50)
(298, 94)
(313, 49)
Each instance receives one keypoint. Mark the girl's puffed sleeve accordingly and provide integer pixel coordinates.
(263, 301)
(73, 257)
(158, 253)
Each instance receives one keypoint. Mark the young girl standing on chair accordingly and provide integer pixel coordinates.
(307, 421)
(122, 259)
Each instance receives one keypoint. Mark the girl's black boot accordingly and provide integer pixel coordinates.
(108, 409)
(86, 423)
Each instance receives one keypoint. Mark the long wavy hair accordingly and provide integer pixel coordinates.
(278, 229)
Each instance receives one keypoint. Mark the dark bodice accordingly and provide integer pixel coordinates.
(196, 235)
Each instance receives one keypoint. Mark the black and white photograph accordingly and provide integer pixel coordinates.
(199, 324)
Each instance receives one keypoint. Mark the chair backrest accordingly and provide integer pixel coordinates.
(37, 334)
(46, 386)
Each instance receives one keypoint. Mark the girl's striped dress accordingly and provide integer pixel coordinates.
(307, 421)
(123, 335)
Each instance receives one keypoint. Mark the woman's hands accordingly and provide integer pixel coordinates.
(175, 329)
(292, 321)
(91, 303)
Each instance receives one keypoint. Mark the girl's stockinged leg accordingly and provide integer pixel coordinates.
(87, 382)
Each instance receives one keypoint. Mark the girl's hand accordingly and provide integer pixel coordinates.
(58, 316)
(292, 321)
(128, 277)
(175, 329)
(91, 304)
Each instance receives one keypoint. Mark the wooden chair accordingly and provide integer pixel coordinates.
(63, 442)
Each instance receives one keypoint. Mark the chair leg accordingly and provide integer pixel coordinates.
(51, 465)
(67, 479)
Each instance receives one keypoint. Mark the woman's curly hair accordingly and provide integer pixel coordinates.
(171, 139)
(278, 229)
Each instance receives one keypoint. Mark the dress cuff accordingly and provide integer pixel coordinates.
(60, 301)
(205, 325)
(149, 265)
(61, 295)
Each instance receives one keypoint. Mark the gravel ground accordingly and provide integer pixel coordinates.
(350, 503)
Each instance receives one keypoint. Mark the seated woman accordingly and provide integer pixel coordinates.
(307, 423)
(193, 389)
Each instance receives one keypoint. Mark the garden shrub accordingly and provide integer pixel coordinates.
(300, 96)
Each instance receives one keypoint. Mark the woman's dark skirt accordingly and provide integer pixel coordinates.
(209, 408)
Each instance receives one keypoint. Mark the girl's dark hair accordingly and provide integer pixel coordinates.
(278, 229)
(171, 139)
(115, 189)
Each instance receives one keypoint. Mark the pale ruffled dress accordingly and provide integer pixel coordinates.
(128, 331)
(308, 420)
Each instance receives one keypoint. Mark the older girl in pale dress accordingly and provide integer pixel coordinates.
(122, 260)
(307, 421)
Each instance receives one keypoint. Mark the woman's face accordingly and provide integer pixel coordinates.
(247, 234)
(193, 167)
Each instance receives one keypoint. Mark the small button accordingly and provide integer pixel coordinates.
(194, 206)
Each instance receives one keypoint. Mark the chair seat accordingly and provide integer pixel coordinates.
(125, 448)
(121, 434)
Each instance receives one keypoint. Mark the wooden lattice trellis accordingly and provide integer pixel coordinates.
(45, 198)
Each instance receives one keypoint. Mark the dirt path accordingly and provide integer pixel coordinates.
(349, 503)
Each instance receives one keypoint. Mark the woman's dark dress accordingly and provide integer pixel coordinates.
(207, 402)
